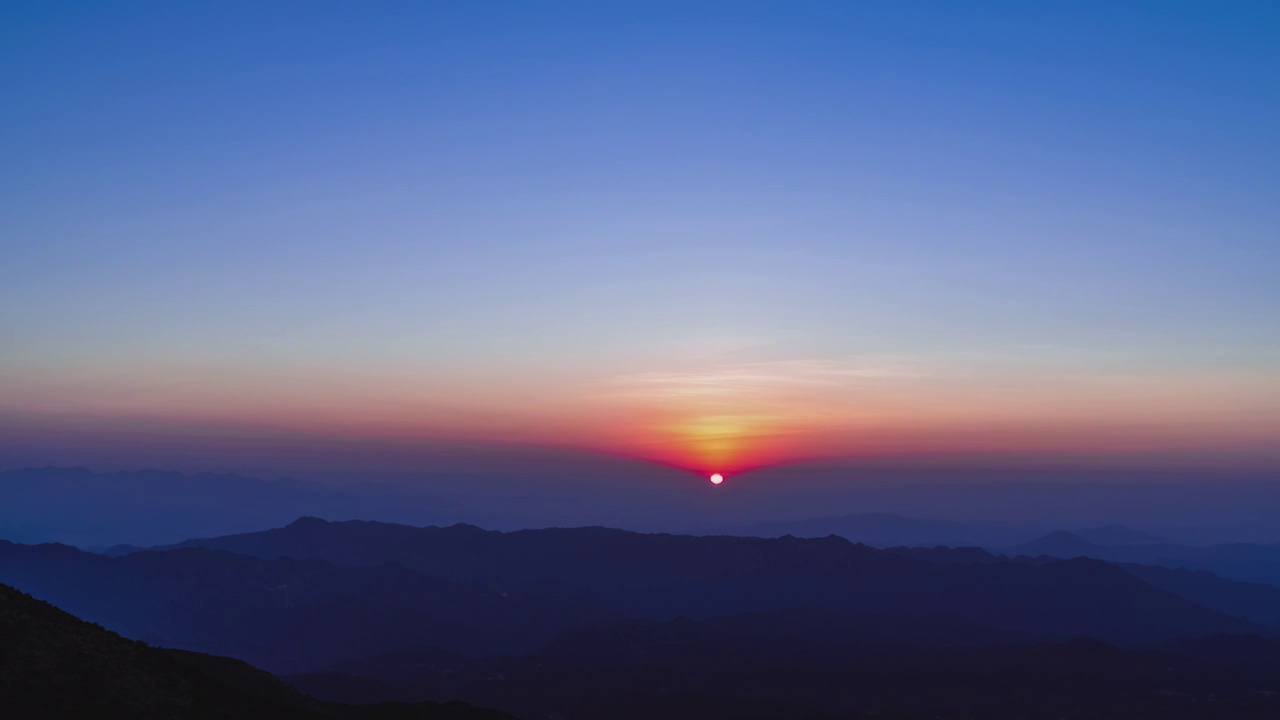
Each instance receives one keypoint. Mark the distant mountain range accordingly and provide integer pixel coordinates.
(887, 530)
(99, 510)
(594, 623)
(79, 507)
(666, 576)
(1241, 561)
(287, 615)
(53, 665)
(1259, 602)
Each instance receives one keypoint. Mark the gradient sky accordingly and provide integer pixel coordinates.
(717, 235)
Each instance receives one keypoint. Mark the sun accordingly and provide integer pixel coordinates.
(716, 479)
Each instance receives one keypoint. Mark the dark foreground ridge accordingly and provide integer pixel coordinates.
(603, 624)
(793, 665)
(54, 665)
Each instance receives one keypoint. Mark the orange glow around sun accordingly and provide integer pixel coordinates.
(717, 445)
(727, 418)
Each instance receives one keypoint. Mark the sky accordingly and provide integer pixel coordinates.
(714, 236)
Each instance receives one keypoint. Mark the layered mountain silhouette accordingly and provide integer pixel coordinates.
(1058, 544)
(1238, 561)
(286, 615)
(1259, 602)
(78, 506)
(666, 576)
(587, 623)
(889, 530)
(885, 529)
(783, 666)
(53, 665)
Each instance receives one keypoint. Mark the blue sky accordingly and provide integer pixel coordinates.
(476, 218)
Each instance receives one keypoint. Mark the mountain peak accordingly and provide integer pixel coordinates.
(308, 521)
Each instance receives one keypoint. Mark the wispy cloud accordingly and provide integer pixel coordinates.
(738, 378)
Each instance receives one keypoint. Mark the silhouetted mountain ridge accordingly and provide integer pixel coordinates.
(286, 614)
(1058, 544)
(742, 667)
(1236, 561)
(884, 530)
(664, 576)
(54, 665)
